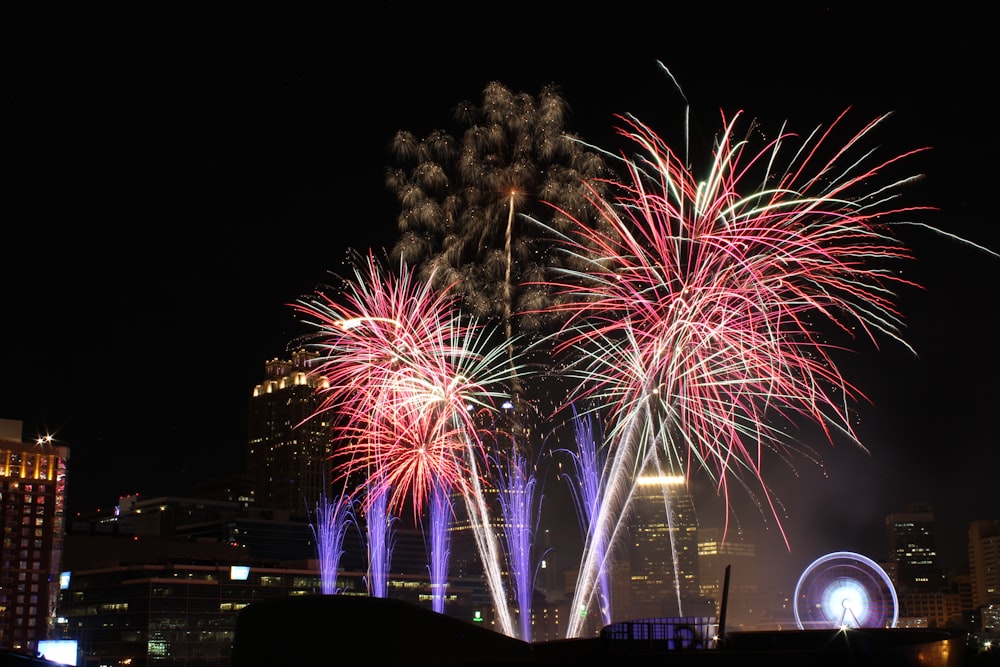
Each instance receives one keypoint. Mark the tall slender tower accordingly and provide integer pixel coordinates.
(664, 554)
(32, 506)
(912, 549)
(984, 561)
(289, 448)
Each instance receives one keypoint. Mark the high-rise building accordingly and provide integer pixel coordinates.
(715, 555)
(32, 504)
(984, 561)
(289, 447)
(912, 548)
(663, 528)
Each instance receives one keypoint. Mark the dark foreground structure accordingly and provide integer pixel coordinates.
(323, 629)
(16, 659)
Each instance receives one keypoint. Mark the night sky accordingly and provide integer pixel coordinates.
(170, 189)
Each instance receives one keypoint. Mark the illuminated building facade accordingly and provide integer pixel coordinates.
(32, 504)
(288, 449)
(984, 562)
(912, 549)
(664, 555)
(930, 609)
(715, 554)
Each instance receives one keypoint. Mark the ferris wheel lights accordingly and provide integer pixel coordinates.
(845, 590)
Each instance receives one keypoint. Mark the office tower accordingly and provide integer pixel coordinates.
(664, 555)
(289, 449)
(714, 556)
(984, 561)
(32, 504)
(911, 547)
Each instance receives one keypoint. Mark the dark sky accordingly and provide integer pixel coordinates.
(169, 189)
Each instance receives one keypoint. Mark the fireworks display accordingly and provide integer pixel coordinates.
(703, 318)
(701, 326)
(556, 260)
(407, 374)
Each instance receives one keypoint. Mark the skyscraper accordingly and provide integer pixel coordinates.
(984, 561)
(715, 554)
(288, 448)
(664, 556)
(32, 504)
(912, 549)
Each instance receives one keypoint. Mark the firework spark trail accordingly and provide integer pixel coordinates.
(489, 548)
(618, 476)
(695, 324)
(586, 488)
(440, 546)
(520, 510)
(332, 520)
(407, 376)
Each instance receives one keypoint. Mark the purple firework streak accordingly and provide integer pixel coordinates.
(587, 489)
(379, 523)
(332, 520)
(520, 509)
(440, 546)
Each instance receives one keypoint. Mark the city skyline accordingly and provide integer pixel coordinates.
(216, 184)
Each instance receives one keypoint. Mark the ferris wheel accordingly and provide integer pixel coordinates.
(845, 590)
